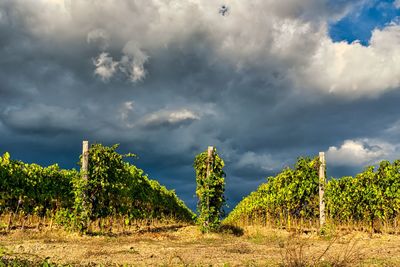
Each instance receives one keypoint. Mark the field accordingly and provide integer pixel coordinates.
(112, 214)
(185, 245)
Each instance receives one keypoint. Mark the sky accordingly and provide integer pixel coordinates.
(264, 81)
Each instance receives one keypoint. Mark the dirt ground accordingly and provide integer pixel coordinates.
(186, 246)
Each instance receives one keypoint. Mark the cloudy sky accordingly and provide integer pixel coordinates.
(264, 81)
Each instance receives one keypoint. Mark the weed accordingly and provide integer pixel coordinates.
(297, 252)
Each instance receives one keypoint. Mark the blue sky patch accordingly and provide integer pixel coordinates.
(359, 24)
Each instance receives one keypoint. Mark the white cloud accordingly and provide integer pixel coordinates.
(181, 115)
(360, 152)
(353, 70)
(161, 118)
(99, 37)
(396, 4)
(169, 118)
(132, 63)
(288, 36)
(105, 66)
(126, 114)
(126, 108)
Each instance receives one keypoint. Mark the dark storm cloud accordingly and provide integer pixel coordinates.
(167, 79)
(35, 118)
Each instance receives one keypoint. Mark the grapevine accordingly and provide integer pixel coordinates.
(292, 194)
(115, 188)
(210, 190)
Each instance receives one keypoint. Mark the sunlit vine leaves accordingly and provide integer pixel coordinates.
(210, 191)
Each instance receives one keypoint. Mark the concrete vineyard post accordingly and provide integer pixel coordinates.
(85, 159)
(85, 177)
(209, 159)
(322, 182)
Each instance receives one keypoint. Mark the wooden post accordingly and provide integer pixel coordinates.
(85, 159)
(322, 182)
(210, 155)
(85, 177)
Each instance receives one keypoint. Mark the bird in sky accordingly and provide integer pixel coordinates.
(224, 10)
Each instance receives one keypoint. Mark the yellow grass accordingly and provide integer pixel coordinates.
(175, 244)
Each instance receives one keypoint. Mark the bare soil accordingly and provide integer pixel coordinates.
(177, 245)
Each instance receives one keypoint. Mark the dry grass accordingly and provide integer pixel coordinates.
(109, 226)
(299, 252)
(183, 245)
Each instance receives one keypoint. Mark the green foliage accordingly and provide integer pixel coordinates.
(293, 193)
(210, 190)
(30, 188)
(369, 196)
(373, 195)
(107, 190)
(114, 188)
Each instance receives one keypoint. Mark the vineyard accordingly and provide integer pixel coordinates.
(109, 197)
(370, 200)
(115, 189)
